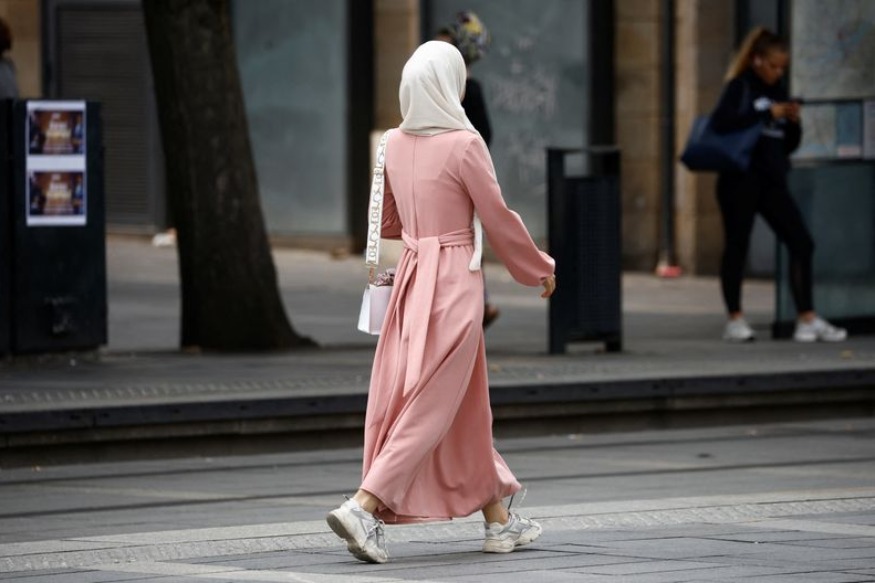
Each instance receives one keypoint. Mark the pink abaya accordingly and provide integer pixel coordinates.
(428, 432)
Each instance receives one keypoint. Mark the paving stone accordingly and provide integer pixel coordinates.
(686, 548)
(536, 577)
(795, 563)
(818, 577)
(834, 543)
(709, 574)
(863, 518)
(86, 577)
(611, 532)
(780, 536)
(645, 568)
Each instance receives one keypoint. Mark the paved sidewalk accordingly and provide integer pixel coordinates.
(756, 503)
(822, 536)
(672, 350)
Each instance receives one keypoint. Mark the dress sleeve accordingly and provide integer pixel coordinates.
(507, 234)
(391, 225)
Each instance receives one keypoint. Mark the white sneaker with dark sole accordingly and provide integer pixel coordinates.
(362, 532)
(818, 330)
(738, 330)
(504, 538)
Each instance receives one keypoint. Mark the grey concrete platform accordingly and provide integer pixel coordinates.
(674, 370)
(762, 503)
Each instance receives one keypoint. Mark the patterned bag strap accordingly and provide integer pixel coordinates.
(375, 208)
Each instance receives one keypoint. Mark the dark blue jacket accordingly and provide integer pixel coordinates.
(745, 101)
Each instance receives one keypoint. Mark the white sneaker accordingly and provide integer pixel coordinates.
(738, 330)
(818, 329)
(504, 538)
(362, 532)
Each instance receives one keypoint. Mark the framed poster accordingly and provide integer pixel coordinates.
(831, 130)
(833, 44)
(56, 192)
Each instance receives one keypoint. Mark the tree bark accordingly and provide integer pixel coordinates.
(230, 294)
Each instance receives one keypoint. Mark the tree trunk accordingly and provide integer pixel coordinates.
(230, 295)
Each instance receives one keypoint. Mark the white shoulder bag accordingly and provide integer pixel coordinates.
(375, 300)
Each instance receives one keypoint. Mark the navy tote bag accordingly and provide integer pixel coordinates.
(709, 151)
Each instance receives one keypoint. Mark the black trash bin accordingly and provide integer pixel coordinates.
(53, 202)
(584, 238)
(5, 226)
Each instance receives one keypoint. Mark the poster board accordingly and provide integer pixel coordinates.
(831, 131)
(55, 164)
(832, 47)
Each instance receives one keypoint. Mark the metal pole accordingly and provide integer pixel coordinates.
(426, 23)
(360, 119)
(600, 116)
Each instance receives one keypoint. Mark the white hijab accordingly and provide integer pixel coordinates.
(432, 85)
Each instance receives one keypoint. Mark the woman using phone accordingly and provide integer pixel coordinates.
(753, 94)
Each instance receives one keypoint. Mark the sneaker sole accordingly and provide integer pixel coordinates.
(507, 546)
(808, 339)
(337, 523)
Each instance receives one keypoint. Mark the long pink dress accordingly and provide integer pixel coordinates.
(428, 432)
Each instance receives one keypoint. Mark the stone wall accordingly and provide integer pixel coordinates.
(704, 41)
(24, 20)
(704, 35)
(637, 123)
(703, 45)
(396, 36)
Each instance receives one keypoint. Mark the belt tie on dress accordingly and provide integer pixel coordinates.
(428, 250)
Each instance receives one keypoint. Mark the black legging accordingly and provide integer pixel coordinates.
(741, 197)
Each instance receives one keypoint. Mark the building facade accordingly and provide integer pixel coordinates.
(320, 77)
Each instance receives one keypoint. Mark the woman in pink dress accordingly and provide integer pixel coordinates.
(429, 452)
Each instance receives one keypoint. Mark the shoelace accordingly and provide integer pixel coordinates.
(514, 517)
(522, 497)
(378, 531)
(376, 528)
